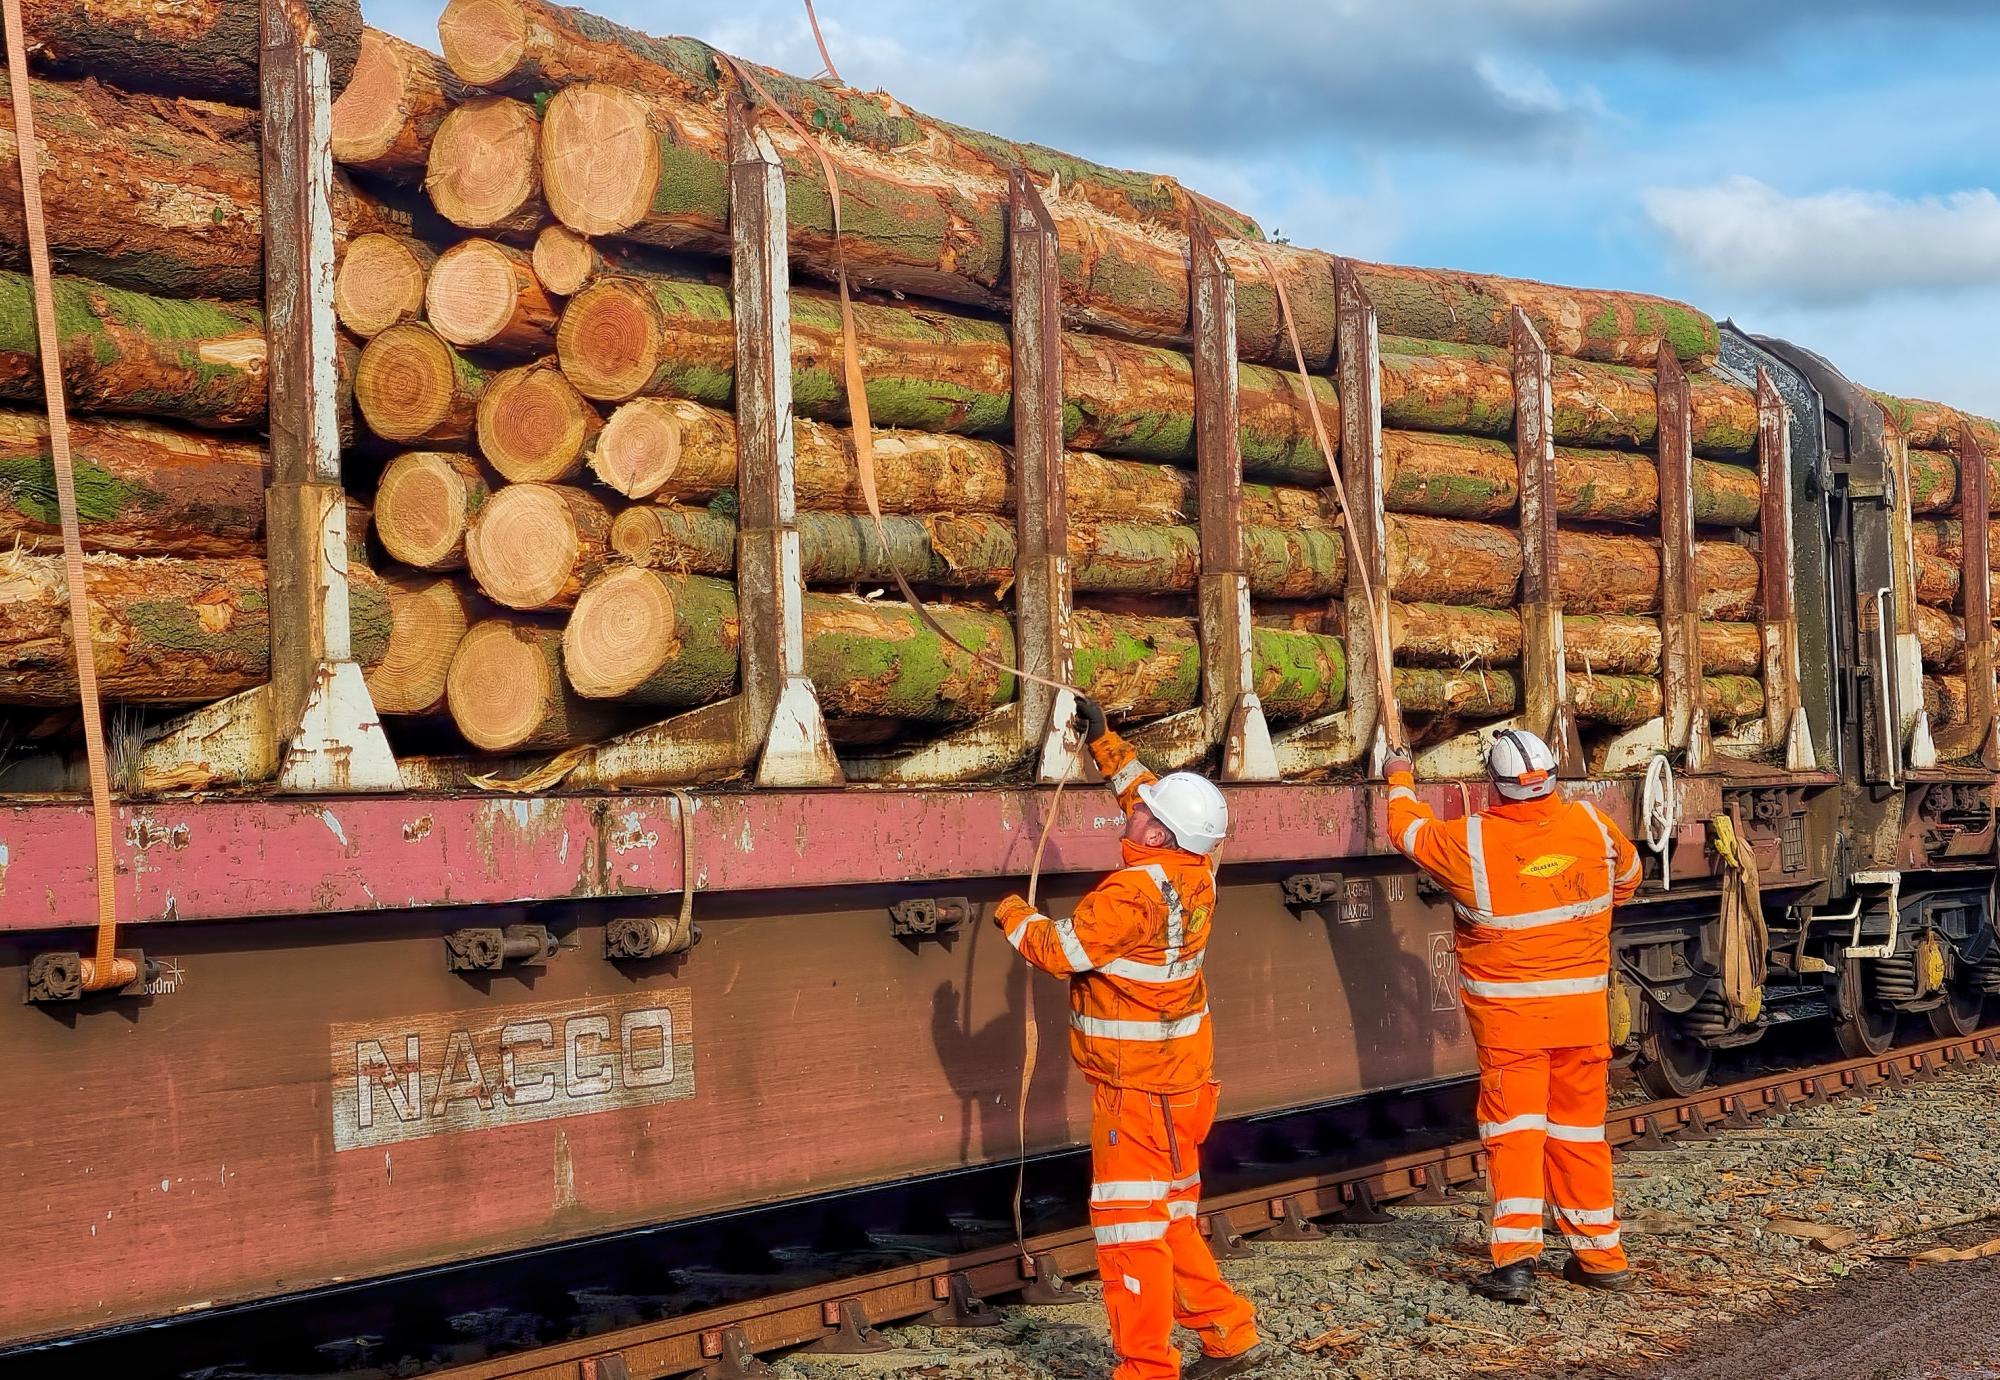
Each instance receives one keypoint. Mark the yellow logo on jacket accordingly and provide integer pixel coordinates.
(1549, 865)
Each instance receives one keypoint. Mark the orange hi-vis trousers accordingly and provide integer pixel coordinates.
(1541, 1119)
(1145, 1174)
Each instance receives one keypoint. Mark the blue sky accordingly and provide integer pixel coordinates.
(1822, 170)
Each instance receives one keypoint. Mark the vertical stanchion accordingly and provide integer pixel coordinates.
(1784, 709)
(1680, 644)
(1974, 737)
(1544, 672)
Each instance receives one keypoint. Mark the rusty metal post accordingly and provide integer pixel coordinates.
(1680, 642)
(1544, 672)
(1784, 709)
(1975, 737)
(776, 704)
(317, 706)
(1356, 732)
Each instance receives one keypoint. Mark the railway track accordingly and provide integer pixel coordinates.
(837, 1315)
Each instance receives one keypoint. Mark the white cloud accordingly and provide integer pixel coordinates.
(1744, 236)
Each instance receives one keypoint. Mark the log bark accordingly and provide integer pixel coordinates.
(142, 489)
(535, 546)
(164, 631)
(153, 195)
(534, 427)
(1941, 638)
(411, 387)
(1935, 426)
(428, 618)
(1946, 700)
(204, 48)
(1453, 635)
(1430, 385)
(927, 370)
(424, 502)
(1615, 701)
(381, 283)
(484, 170)
(482, 294)
(1934, 480)
(1945, 537)
(506, 690)
(124, 352)
(1470, 477)
(390, 109)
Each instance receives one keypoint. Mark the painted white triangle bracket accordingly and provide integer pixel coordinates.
(797, 750)
(339, 747)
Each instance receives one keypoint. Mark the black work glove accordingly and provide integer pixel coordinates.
(1090, 719)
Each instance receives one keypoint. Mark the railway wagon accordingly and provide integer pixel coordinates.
(391, 1012)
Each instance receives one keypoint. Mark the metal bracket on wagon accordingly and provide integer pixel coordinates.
(59, 977)
(649, 936)
(486, 949)
(928, 917)
(1310, 890)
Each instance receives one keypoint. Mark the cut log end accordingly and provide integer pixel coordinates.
(483, 40)
(380, 283)
(422, 505)
(428, 620)
(475, 297)
(409, 387)
(611, 644)
(372, 111)
(600, 159)
(532, 545)
(563, 259)
(640, 447)
(482, 171)
(502, 684)
(610, 340)
(533, 426)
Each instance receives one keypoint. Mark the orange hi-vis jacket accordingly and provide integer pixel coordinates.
(1133, 952)
(1534, 883)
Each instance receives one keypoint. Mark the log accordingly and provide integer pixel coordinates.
(1946, 701)
(1945, 537)
(153, 195)
(535, 546)
(1935, 426)
(1135, 558)
(534, 427)
(483, 172)
(668, 639)
(1934, 480)
(381, 283)
(391, 108)
(927, 370)
(482, 294)
(1453, 635)
(1941, 638)
(142, 489)
(506, 690)
(1470, 477)
(566, 261)
(165, 631)
(1614, 701)
(124, 352)
(1430, 385)
(413, 388)
(204, 48)
(424, 502)
(428, 618)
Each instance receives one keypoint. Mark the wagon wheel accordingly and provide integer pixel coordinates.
(1959, 1013)
(1862, 1028)
(1672, 1062)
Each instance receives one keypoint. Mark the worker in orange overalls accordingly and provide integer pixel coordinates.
(1140, 1032)
(1533, 879)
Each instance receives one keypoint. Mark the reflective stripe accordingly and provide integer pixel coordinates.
(1475, 847)
(1171, 896)
(1401, 793)
(1124, 1233)
(1530, 1236)
(1138, 1030)
(1408, 843)
(1126, 775)
(1587, 1217)
(1019, 933)
(1541, 987)
(1129, 1191)
(1072, 947)
(1606, 1242)
(1631, 872)
(1581, 1135)
(1517, 1207)
(1532, 919)
(1176, 1211)
(1527, 1121)
(1604, 832)
(1154, 972)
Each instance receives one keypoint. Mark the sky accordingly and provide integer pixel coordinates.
(1823, 170)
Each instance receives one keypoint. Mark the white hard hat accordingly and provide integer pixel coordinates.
(1520, 764)
(1192, 809)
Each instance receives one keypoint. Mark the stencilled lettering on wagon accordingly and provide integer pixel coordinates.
(454, 1071)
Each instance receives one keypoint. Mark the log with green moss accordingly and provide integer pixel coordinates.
(165, 631)
(1455, 635)
(1944, 537)
(1936, 426)
(1470, 477)
(125, 352)
(1430, 385)
(1616, 701)
(927, 370)
(1937, 579)
(142, 489)
(668, 639)
(1934, 480)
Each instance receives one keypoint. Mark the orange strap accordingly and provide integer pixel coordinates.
(1378, 626)
(103, 969)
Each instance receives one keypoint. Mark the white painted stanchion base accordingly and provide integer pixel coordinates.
(1060, 757)
(1799, 754)
(1247, 754)
(1462, 757)
(797, 751)
(339, 748)
(1634, 748)
(229, 743)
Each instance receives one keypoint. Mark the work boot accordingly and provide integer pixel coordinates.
(1513, 1283)
(1216, 1367)
(1611, 1281)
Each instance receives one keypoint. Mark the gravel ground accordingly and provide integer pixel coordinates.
(1897, 1169)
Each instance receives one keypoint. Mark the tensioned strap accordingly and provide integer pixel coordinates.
(104, 969)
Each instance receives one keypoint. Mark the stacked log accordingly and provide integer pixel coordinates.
(1931, 435)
